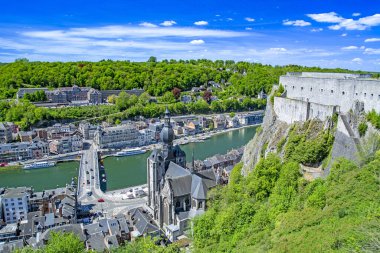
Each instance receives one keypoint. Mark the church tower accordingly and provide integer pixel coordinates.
(158, 163)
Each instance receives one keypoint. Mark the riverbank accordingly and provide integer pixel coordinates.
(198, 138)
(10, 167)
(128, 171)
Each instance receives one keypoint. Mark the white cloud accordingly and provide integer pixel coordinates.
(316, 30)
(357, 60)
(197, 42)
(277, 50)
(344, 34)
(250, 19)
(168, 23)
(356, 14)
(329, 17)
(372, 51)
(147, 24)
(229, 19)
(362, 47)
(346, 23)
(372, 40)
(248, 28)
(295, 22)
(202, 22)
(349, 48)
(132, 32)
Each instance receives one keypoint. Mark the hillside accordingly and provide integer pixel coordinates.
(155, 77)
(274, 209)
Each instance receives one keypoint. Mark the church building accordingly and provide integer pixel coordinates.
(176, 194)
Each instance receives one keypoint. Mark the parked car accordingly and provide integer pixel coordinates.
(101, 200)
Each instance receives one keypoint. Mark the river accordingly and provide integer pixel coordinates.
(122, 172)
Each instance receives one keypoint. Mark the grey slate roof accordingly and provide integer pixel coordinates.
(69, 228)
(174, 170)
(142, 222)
(9, 247)
(96, 242)
(112, 241)
(198, 188)
(92, 229)
(208, 177)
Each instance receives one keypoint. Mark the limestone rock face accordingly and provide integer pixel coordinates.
(272, 130)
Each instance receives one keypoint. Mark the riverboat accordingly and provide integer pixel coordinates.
(129, 152)
(38, 165)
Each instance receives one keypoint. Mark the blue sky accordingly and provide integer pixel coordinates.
(331, 33)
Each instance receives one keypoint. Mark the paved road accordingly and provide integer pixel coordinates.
(88, 181)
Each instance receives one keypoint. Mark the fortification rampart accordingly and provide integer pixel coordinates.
(343, 92)
(292, 110)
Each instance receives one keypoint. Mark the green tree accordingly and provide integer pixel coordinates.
(168, 97)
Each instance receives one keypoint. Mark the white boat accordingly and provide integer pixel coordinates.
(132, 151)
(37, 165)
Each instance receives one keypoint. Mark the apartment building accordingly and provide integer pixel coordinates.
(15, 203)
(117, 137)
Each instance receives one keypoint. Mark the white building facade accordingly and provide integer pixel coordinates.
(15, 204)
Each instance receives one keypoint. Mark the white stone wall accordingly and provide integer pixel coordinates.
(334, 91)
(318, 111)
(289, 110)
(292, 110)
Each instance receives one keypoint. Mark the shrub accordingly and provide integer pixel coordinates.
(362, 128)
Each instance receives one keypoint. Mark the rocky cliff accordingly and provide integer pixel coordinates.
(273, 135)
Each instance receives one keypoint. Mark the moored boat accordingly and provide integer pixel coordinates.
(38, 165)
(129, 152)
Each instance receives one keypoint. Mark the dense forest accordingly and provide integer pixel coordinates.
(154, 77)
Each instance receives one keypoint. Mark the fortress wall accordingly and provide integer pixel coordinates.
(318, 111)
(329, 91)
(289, 110)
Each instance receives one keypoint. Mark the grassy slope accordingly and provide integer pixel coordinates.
(275, 210)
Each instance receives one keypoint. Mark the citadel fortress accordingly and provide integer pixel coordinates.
(313, 95)
(318, 95)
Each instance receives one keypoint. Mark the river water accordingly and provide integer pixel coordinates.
(122, 172)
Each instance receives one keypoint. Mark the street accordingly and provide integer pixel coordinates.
(88, 181)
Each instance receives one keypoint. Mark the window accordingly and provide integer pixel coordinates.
(301, 88)
(332, 91)
(321, 90)
(311, 89)
(293, 87)
(343, 93)
(371, 96)
(365, 94)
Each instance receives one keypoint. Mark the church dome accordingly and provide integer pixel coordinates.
(167, 133)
